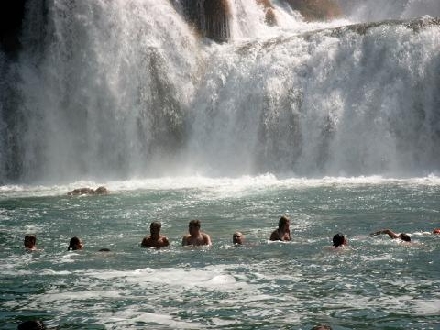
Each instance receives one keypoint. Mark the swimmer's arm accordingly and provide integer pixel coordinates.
(388, 232)
(207, 239)
(391, 233)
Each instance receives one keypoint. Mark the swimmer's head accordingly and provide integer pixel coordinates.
(284, 222)
(75, 243)
(322, 327)
(30, 241)
(238, 238)
(339, 240)
(31, 325)
(405, 237)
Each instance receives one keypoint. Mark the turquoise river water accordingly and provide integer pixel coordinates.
(375, 283)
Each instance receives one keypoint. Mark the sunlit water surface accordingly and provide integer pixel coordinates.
(376, 283)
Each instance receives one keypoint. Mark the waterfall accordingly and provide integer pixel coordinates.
(377, 10)
(118, 89)
(109, 89)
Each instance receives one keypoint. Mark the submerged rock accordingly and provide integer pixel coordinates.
(88, 191)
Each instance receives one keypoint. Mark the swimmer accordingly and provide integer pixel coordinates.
(155, 239)
(339, 240)
(389, 232)
(196, 237)
(30, 242)
(238, 238)
(436, 231)
(322, 327)
(75, 244)
(283, 231)
(31, 325)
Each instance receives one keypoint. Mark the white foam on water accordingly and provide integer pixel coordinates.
(67, 296)
(133, 318)
(426, 307)
(52, 272)
(223, 187)
(69, 258)
(13, 270)
(211, 278)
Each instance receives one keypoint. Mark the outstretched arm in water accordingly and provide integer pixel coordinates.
(389, 232)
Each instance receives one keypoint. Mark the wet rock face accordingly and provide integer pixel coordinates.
(209, 17)
(271, 19)
(316, 9)
(216, 23)
(11, 17)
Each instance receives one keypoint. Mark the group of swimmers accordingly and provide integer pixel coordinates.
(197, 237)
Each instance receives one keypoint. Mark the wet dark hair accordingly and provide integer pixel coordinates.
(30, 238)
(31, 325)
(338, 240)
(155, 224)
(405, 237)
(283, 221)
(74, 242)
(194, 223)
(322, 327)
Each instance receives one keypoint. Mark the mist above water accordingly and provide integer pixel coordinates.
(377, 10)
(128, 89)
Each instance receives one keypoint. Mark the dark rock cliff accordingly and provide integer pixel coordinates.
(11, 17)
(209, 17)
(316, 9)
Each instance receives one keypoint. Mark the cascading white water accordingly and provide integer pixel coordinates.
(111, 89)
(377, 10)
(322, 103)
(125, 88)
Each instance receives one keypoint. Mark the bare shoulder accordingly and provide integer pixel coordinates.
(146, 241)
(207, 239)
(274, 236)
(165, 241)
(185, 240)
